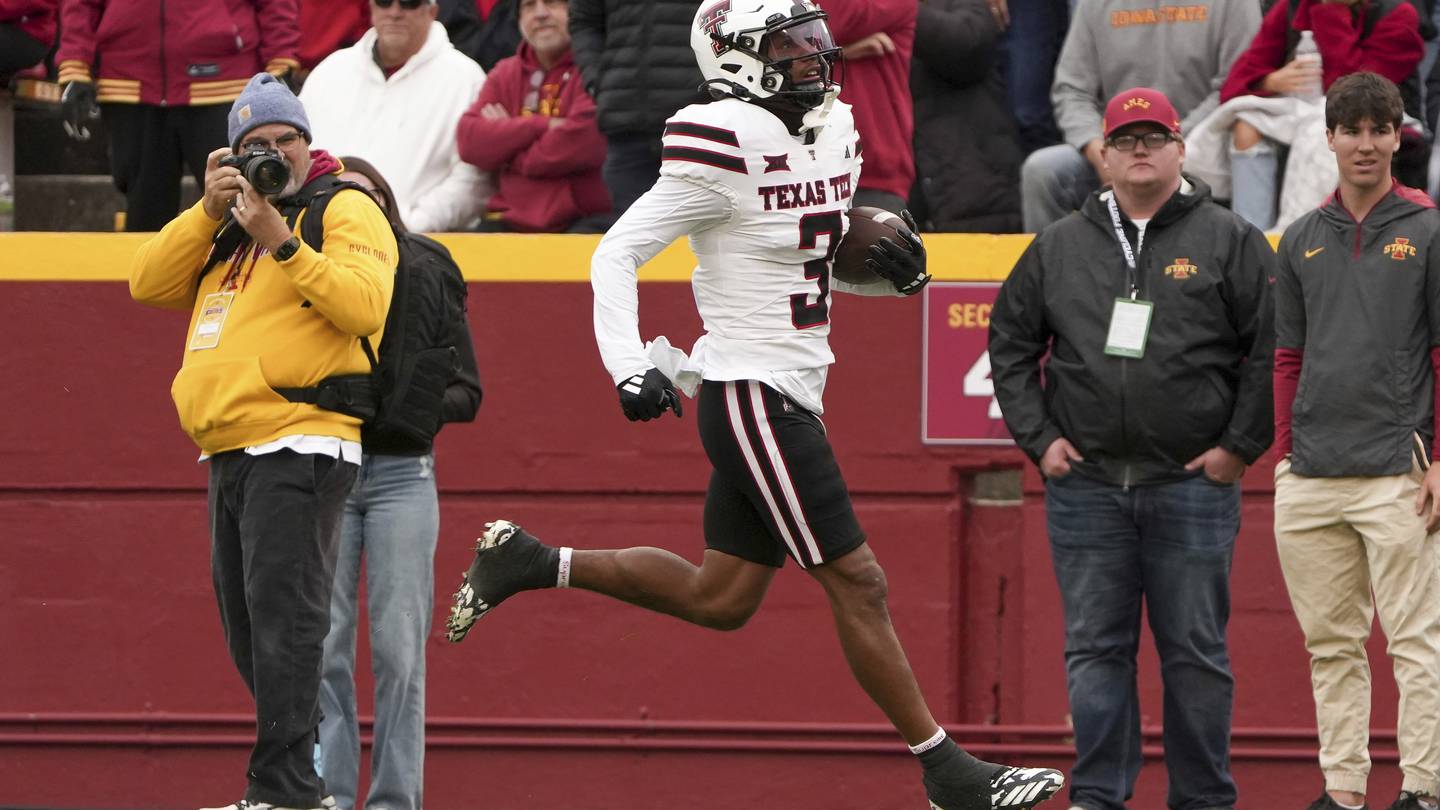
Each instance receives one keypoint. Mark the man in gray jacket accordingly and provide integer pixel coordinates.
(1357, 492)
(1184, 52)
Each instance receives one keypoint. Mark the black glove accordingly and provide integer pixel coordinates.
(646, 396)
(285, 73)
(902, 266)
(78, 105)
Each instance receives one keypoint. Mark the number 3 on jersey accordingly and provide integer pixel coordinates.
(803, 314)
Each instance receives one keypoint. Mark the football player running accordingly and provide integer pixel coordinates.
(760, 181)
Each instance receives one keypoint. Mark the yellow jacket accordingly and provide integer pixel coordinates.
(268, 336)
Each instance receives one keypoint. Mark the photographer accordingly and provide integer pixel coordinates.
(272, 316)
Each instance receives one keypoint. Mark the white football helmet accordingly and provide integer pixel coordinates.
(753, 49)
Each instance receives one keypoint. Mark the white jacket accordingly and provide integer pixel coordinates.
(404, 125)
(1310, 170)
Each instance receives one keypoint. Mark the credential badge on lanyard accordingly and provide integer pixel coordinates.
(211, 320)
(1130, 319)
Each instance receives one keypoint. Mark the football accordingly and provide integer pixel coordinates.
(867, 225)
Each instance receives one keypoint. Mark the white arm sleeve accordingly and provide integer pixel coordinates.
(671, 209)
(879, 287)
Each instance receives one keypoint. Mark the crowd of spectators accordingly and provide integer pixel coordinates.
(395, 98)
(979, 115)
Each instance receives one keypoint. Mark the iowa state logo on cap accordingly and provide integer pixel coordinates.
(1136, 101)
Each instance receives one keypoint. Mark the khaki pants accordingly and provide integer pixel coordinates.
(1340, 539)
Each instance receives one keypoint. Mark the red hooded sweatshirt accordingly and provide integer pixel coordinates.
(547, 154)
(1393, 50)
(879, 88)
(175, 53)
(326, 26)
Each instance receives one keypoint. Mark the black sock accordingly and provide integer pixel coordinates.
(954, 759)
(955, 780)
(542, 567)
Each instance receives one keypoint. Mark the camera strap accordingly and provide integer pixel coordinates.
(351, 394)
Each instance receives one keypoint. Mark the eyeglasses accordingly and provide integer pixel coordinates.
(283, 142)
(1152, 141)
(408, 5)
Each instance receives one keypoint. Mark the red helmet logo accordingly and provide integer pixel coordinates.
(710, 21)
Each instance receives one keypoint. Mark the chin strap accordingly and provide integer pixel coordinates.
(816, 117)
(812, 119)
(720, 88)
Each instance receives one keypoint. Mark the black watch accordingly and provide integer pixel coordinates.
(287, 249)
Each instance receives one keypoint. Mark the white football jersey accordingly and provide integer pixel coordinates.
(764, 236)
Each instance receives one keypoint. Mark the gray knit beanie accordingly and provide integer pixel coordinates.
(265, 100)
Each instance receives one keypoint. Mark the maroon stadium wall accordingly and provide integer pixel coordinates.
(116, 690)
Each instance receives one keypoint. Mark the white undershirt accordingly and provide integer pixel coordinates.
(305, 444)
(1140, 225)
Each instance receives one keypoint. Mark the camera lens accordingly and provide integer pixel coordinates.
(268, 174)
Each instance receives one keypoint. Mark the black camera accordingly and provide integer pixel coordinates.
(263, 169)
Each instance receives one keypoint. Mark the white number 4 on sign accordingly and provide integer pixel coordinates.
(979, 384)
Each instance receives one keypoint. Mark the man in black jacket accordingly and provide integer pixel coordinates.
(635, 58)
(967, 147)
(486, 36)
(1154, 304)
(1357, 336)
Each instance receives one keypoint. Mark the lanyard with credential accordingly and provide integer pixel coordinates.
(1124, 246)
(1130, 319)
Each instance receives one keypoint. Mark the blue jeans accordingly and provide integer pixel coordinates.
(1255, 173)
(392, 518)
(632, 165)
(1053, 182)
(1032, 44)
(1170, 547)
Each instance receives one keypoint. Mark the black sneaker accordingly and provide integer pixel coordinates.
(1411, 801)
(1327, 803)
(1024, 787)
(507, 560)
(964, 783)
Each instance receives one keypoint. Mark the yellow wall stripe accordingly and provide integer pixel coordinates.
(483, 257)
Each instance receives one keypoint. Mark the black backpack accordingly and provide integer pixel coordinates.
(418, 358)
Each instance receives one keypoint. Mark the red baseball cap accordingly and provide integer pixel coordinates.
(1139, 104)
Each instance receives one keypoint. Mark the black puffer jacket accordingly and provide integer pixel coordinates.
(967, 148)
(636, 60)
(486, 41)
(1205, 377)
